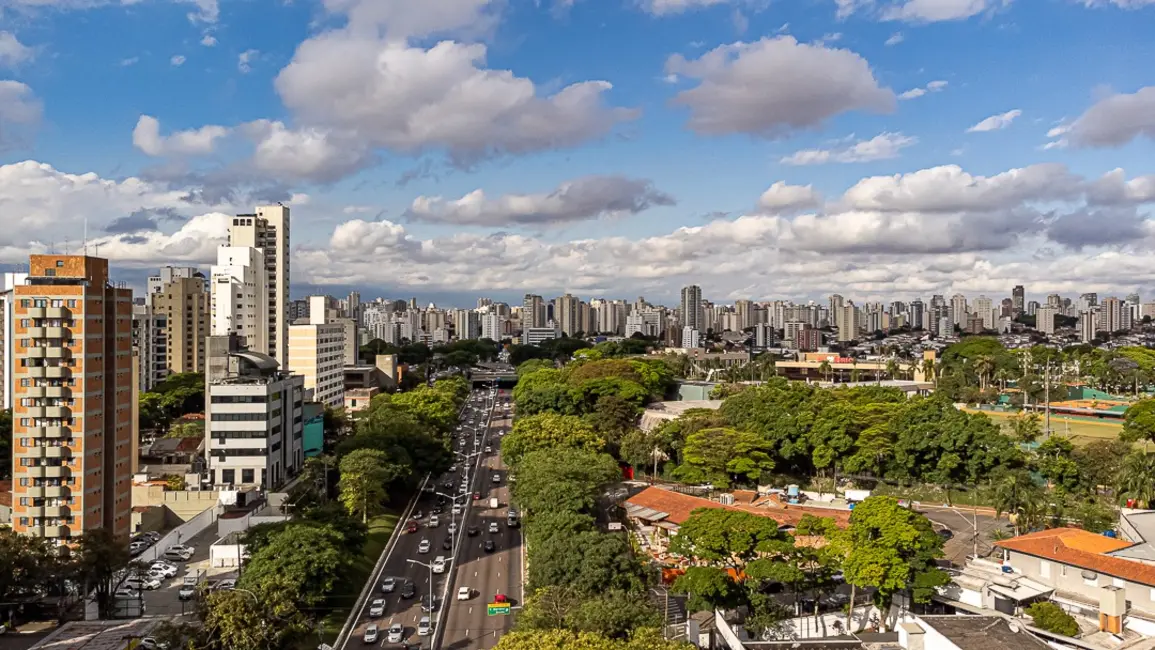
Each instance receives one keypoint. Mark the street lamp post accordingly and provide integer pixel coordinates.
(437, 618)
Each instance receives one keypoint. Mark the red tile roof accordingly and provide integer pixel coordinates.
(678, 507)
(1079, 548)
(6, 493)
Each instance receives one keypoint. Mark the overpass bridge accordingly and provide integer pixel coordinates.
(501, 378)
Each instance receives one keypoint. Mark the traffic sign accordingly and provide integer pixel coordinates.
(497, 609)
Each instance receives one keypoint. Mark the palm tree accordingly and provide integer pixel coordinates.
(928, 371)
(824, 369)
(891, 368)
(1136, 478)
(984, 367)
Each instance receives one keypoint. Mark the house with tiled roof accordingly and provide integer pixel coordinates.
(1086, 570)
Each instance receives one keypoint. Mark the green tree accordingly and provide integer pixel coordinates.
(256, 617)
(6, 444)
(548, 431)
(710, 587)
(100, 557)
(1136, 479)
(1026, 427)
(613, 417)
(1050, 617)
(1016, 493)
(729, 538)
(546, 524)
(590, 563)
(562, 479)
(364, 475)
(642, 639)
(614, 614)
(434, 407)
(1054, 462)
(1099, 463)
(24, 567)
(720, 456)
(1139, 422)
(891, 549)
(307, 562)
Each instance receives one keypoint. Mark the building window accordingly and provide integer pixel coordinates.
(59, 264)
(229, 476)
(247, 476)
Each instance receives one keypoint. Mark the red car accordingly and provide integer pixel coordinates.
(412, 527)
(499, 598)
(476, 496)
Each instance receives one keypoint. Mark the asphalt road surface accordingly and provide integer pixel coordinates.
(467, 624)
(408, 611)
(962, 521)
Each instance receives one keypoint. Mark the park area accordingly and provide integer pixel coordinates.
(1079, 430)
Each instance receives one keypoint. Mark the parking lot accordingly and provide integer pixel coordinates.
(164, 601)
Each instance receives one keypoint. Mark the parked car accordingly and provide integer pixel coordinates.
(151, 643)
(226, 585)
(127, 592)
(181, 548)
(163, 569)
(377, 608)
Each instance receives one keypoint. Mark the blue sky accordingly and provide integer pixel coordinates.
(622, 147)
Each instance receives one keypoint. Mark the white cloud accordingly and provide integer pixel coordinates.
(581, 199)
(1122, 4)
(206, 11)
(303, 154)
(195, 142)
(667, 7)
(930, 11)
(895, 39)
(400, 20)
(209, 40)
(1114, 188)
(132, 60)
(883, 146)
(1116, 120)
(195, 242)
(995, 122)
(12, 51)
(245, 60)
(781, 197)
(774, 86)
(177, 60)
(932, 87)
(950, 189)
(19, 108)
(412, 99)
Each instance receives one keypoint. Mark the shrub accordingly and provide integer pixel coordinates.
(1050, 617)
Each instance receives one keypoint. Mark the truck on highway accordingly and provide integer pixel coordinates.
(493, 502)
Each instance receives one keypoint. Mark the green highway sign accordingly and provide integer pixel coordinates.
(498, 609)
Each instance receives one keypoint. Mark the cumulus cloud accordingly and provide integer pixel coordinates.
(665, 7)
(781, 197)
(196, 142)
(400, 20)
(177, 60)
(995, 122)
(931, 11)
(1113, 188)
(304, 153)
(1087, 228)
(950, 189)
(12, 51)
(19, 110)
(1116, 120)
(195, 242)
(774, 86)
(581, 199)
(932, 87)
(883, 146)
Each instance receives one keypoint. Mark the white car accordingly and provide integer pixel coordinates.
(424, 627)
(396, 633)
(388, 585)
(493, 527)
(377, 608)
(452, 527)
(496, 478)
(126, 592)
(438, 565)
(182, 549)
(423, 546)
(434, 521)
(456, 509)
(163, 568)
(148, 582)
(370, 634)
(226, 585)
(150, 643)
(464, 593)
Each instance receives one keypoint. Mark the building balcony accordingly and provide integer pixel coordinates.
(57, 391)
(56, 491)
(37, 312)
(37, 332)
(37, 411)
(57, 412)
(56, 511)
(58, 312)
(58, 372)
(46, 471)
(36, 353)
(56, 531)
(36, 372)
(35, 391)
(34, 492)
(57, 332)
(32, 511)
(57, 352)
(57, 452)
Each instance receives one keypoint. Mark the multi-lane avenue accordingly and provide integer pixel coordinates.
(441, 546)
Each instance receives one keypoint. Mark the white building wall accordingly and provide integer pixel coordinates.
(240, 296)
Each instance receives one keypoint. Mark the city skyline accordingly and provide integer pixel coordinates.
(865, 162)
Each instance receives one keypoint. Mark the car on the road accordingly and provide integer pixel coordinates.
(490, 546)
(456, 509)
(493, 527)
(476, 496)
(452, 527)
(396, 633)
(388, 585)
(464, 593)
(437, 509)
(371, 634)
(453, 469)
(226, 585)
(438, 565)
(418, 515)
(472, 531)
(488, 449)
(429, 604)
(151, 643)
(496, 478)
(434, 521)
(500, 598)
(463, 489)
(377, 608)
(424, 627)
(945, 533)
(423, 546)
(408, 590)
(447, 544)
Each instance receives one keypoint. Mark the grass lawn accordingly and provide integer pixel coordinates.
(380, 529)
(1081, 431)
(932, 495)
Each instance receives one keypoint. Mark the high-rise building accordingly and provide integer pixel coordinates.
(255, 426)
(1113, 316)
(690, 338)
(8, 284)
(848, 322)
(690, 312)
(917, 313)
(157, 283)
(1088, 325)
(467, 324)
(240, 303)
(745, 311)
(764, 336)
(568, 309)
(492, 327)
(808, 339)
(1045, 319)
(984, 309)
(533, 312)
(268, 230)
(958, 310)
(183, 306)
(72, 410)
(1018, 299)
(317, 354)
(1055, 300)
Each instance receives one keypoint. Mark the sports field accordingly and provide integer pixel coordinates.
(1080, 430)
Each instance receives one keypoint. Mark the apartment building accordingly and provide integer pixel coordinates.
(72, 415)
(240, 303)
(8, 284)
(255, 426)
(150, 344)
(157, 283)
(268, 231)
(184, 306)
(317, 353)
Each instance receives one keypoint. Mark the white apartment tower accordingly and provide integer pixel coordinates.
(268, 230)
(240, 303)
(691, 311)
